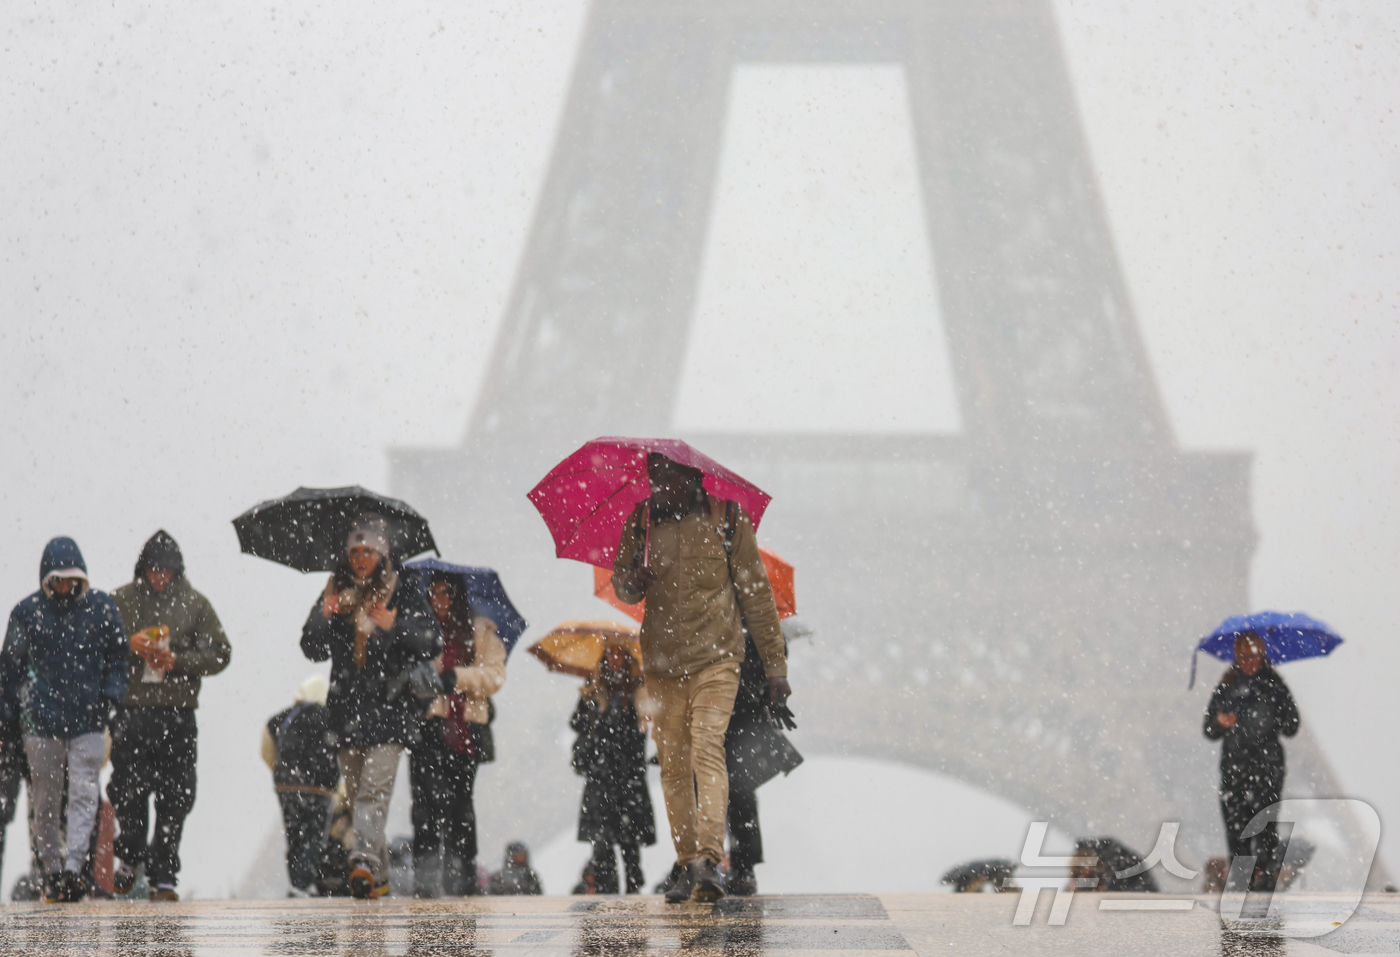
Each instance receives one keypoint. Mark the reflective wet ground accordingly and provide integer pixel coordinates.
(901, 924)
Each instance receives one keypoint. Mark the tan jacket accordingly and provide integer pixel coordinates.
(479, 680)
(692, 619)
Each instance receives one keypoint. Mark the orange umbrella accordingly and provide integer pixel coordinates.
(576, 647)
(779, 576)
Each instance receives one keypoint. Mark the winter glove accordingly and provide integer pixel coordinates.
(783, 717)
(419, 680)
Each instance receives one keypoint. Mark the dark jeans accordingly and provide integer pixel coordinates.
(444, 818)
(153, 755)
(305, 818)
(745, 839)
(1245, 791)
(13, 770)
(605, 867)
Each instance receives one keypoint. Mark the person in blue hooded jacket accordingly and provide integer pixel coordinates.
(62, 671)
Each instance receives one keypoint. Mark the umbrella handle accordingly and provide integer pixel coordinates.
(1194, 654)
(646, 534)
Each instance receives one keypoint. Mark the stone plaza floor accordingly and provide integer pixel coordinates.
(890, 924)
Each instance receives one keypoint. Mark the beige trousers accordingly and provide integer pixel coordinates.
(693, 714)
(369, 784)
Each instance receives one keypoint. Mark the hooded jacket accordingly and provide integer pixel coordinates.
(196, 637)
(64, 659)
(362, 712)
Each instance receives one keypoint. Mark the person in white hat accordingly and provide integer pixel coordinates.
(299, 748)
(374, 624)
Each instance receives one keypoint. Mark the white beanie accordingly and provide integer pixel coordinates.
(370, 531)
(314, 690)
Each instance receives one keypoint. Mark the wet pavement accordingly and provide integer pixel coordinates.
(892, 924)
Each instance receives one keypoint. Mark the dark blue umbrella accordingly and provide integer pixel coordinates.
(1288, 636)
(485, 594)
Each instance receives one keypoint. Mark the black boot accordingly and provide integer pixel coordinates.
(709, 886)
(684, 884)
(669, 881)
(741, 883)
(72, 887)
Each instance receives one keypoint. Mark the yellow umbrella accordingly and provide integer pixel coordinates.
(576, 647)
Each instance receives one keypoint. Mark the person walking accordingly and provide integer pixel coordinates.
(755, 752)
(1249, 709)
(373, 623)
(176, 642)
(455, 740)
(695, 560)
(299, 747)
(610, 752)
(62, 671)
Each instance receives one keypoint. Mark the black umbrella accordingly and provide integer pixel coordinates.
(307, 529)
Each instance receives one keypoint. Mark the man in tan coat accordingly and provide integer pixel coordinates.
(695, 560)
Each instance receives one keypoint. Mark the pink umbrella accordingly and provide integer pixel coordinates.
(585, 499)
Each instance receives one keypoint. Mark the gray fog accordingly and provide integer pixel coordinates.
(250, 248)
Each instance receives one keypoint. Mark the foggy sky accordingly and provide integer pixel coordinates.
(247, 248)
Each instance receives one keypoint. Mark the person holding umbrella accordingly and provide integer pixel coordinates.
(374, 624)
(699, 594)
(1249, 709)
(455, 740)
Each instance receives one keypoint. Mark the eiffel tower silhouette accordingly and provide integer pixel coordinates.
(1014, 605)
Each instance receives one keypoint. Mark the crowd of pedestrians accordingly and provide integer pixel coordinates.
(86, 676)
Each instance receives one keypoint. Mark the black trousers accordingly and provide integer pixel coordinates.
(444, 817)
(13, 769)
(153, 756)
(604, 863)
(745, 839)
(305, 818)
(1245, 790)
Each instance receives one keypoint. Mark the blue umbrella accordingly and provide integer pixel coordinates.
(485, 594)
(1288, 636)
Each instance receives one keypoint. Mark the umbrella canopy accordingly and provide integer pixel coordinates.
(576, 647)
(306, 530)
(1288, 636)
(485, 594)
(586, 498)
(779, 576)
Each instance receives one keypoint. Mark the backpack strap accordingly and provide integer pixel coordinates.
(731, 525)
(296, 709)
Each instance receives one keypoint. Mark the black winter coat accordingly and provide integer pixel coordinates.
(755, 751)
(361, 711)
(306, 747)
(610, 753)
(1263, 709)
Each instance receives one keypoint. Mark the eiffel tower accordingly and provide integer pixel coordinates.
(1013, 605)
